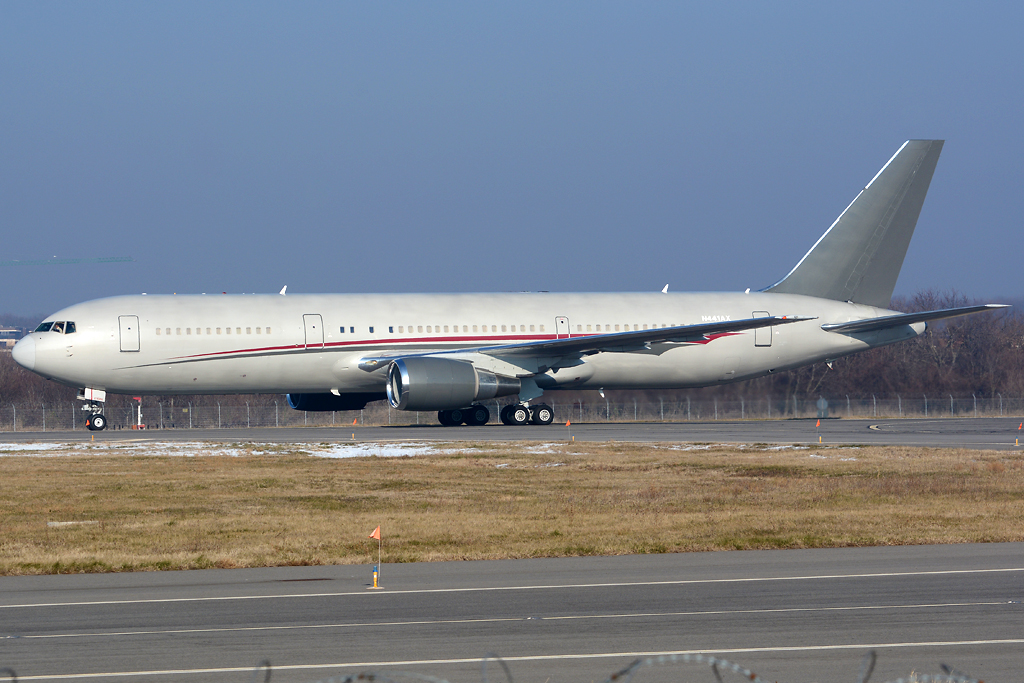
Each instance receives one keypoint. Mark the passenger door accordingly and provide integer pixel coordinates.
(129, 325)
(762, 335)
(314, 325)
(561, 327)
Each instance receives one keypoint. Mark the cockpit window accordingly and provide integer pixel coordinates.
(44, 327)
(58, 327)
(69, 327)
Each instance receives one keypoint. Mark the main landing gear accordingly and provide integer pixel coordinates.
(521, 414)
(474, 416)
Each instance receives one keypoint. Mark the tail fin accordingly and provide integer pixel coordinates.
(859, 257)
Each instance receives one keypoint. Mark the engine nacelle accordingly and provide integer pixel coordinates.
(427, 383)
(329, 402)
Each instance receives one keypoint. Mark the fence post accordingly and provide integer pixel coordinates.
(662, 409)
(1000, 405)
(161, 414)
(849, 413)
(900, 401)
(607, 411)
(581, 410)
(743, 410)
(73, 417)
(218, 414)
(15, 417)
(769, 399)
(951, 405)
(975, 405)
(277, 422)
(925, 404)
(687, 407)
(874, 406)
(634, 410)
(248, 424)
(716, 408)
(190, 414)
(44, 417)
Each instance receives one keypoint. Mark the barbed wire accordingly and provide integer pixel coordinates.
(715, 664)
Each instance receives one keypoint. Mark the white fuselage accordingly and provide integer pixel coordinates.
(219, 344)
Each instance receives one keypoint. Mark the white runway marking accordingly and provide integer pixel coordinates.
(625, 584)
(524, 658)
(494, 620)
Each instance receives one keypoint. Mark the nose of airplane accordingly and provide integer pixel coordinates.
(24, 352)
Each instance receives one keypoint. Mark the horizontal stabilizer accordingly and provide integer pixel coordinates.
(887, 321)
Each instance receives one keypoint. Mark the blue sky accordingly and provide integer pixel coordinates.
(459, 147)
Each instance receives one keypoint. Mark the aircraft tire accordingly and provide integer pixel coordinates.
(477, 416)
(541, 414)
(96, 422)
(519, 415)
(503, 415)
(457, 416)
(445, 418)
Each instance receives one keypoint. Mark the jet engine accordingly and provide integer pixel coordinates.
(428, 383)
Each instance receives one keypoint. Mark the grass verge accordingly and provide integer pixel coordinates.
(490, 501)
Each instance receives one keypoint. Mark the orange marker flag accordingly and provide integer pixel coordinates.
(354, 420)
(819, 423)
(567, 423)
(376, 533)
(1021, 426)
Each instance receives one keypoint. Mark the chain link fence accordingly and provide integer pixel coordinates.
(159, 413)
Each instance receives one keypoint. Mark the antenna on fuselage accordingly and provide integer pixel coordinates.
(665, 290)
(283, 290)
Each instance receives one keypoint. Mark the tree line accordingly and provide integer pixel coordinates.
(980, 354)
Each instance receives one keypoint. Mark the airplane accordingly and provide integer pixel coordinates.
(450, 352)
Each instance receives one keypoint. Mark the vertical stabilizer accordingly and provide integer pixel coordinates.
(859, 257)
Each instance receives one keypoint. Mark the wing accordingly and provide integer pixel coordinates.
(589, 344)
(872, 324)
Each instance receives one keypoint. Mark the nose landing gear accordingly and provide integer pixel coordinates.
(96, 422)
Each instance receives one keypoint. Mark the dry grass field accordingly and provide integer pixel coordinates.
(264, 505)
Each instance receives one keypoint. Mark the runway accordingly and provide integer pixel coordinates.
(974, 433)
(793, 615)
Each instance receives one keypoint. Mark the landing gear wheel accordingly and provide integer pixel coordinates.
(541, 414)
(446, 418)
(504, 415)
(519, 415)
(96, 422)
(477, 416)
(457, 416)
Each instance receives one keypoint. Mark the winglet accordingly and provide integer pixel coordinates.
(283, 290)
(665, 290)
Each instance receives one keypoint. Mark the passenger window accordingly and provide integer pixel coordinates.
(208, 331)
(268, 330)
(588, 328)
(371, 329)
(238, 330)
(401, 329)
(44, 327)
(522, 328)
(428, 328)
(342, 329)
(188, 330)
(579, 328)
(645, 327)
(158, 331)
(248, 330)
(445, 328)
(503, 328)
(167, 332)
(218, 330)
(391, 330)
(531, 328)
(177, 331)
(616, 328)
(419, 328)
(494, 328)
(541, 328)
(259, 330)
